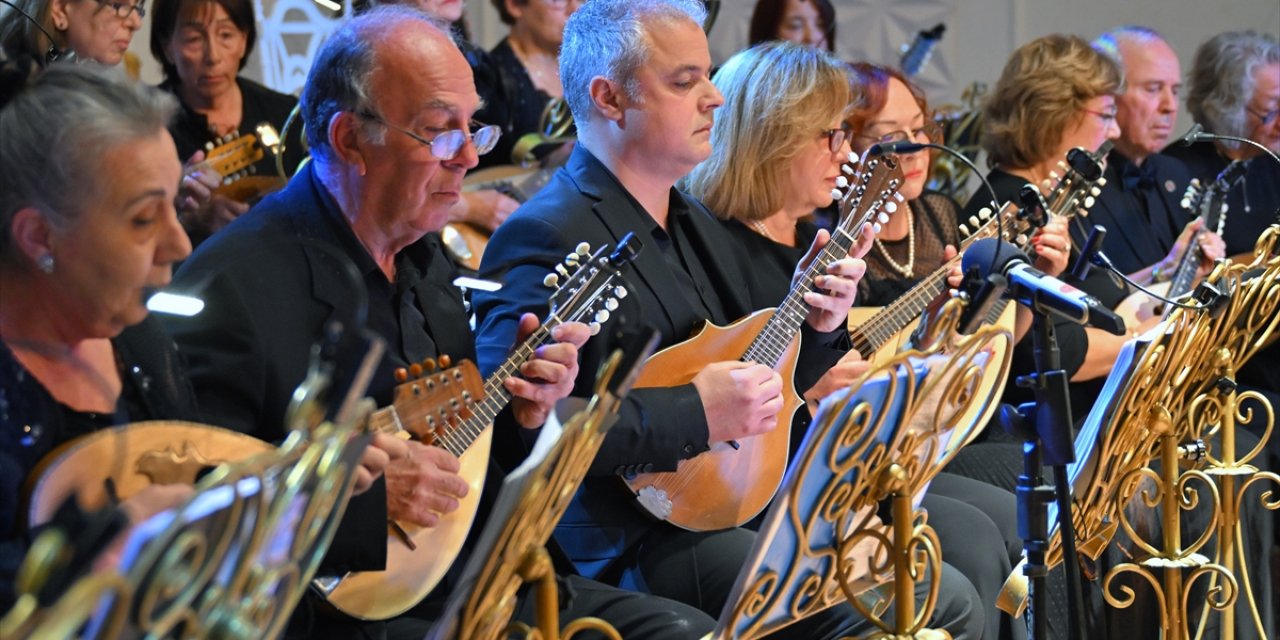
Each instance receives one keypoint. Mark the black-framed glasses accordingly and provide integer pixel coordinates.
(928, 132)
(836, 138)
(1266, 118)
(123, 9)
(447, 144)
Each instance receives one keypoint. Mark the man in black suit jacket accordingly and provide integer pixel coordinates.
(640, 130)
(383, 176)
(1140, 205)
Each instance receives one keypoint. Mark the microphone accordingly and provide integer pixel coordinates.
(1091, 247)
(1197, 134)
(54, 53)
(1039, 291)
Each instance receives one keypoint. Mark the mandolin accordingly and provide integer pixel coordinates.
(417, 558)
(1210, 203)
(466, 241)
(233, 156)
(733, 481)
(879, 332)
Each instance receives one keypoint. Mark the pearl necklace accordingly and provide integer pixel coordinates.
(758, 225)
(907, 270)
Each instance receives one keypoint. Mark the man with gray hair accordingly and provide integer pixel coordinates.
(1234, 90)
(388, 106)
(636, 77)
(1144, 187)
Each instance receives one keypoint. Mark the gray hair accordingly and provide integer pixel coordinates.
(607, 38)
(1221, 81)
(343, 69)
(54, 132)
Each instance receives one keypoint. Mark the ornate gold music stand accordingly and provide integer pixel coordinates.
(533, 499)
(884, 438)
(1201, 402)
(232, 562)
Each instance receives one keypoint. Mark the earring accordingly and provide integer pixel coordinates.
(45, 263)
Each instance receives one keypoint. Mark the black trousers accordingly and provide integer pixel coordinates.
(699, 569)
(977, 524)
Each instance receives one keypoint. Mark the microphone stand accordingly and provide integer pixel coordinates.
(1045, 427)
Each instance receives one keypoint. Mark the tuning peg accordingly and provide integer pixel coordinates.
(852, 157)
(401, 374)
(875, 227)
(842, 182)
(844, 168)
(964, 229)
(611, 304)
(562, 271)
(445, 361)
(602, 315)
(583, 249)
(1088, 201)
(973, 220)
(1095, 192)
(891, 206)
(595, 328)
(572, 260)
(984, 213)
(1185, 202)
(415, 370)
(253, 168)
(429, 365)
(619, 292)
(1046, 185)
(551, 280)
(882, 218)
(836, 194)
(1021, 239)
(1101, 182)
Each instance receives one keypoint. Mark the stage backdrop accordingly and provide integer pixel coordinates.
(980, 33)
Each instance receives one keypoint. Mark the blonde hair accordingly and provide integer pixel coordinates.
(1041, 91)
(777, 97)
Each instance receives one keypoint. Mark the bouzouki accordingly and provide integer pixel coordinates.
(1210, 203)
(733, 481)
(417, 558)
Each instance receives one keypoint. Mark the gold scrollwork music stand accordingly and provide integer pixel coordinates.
(885, 437)
(1201, 402)
(512, 552)
(231, 562)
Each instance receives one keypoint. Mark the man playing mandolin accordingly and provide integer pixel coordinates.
(636, 77)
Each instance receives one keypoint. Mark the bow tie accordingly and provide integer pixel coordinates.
(1133, 177)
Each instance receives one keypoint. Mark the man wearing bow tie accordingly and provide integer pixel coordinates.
(1140, 204)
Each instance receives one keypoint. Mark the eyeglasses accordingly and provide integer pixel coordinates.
(447, 144)
(1266, 118)
(123, 9)
(1107, 116)
(929, 131)
(836, 138)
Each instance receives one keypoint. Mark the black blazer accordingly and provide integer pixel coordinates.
(656, 428)
(269, 295)
(1138, 236)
